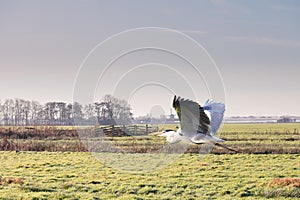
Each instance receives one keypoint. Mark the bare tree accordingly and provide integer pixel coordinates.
(26, 110)
(8, 112)
(36, 108)
(1, 113)
(109, 110)
(113, 111)
(89, 114)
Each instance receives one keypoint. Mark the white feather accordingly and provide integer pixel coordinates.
(216, 113)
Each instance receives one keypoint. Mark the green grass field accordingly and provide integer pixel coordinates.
(57, 175)
(269, 167)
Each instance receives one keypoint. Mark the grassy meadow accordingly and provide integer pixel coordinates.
(78, 175)
(268, 167)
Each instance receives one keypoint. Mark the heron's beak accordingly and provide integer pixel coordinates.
(158, 134)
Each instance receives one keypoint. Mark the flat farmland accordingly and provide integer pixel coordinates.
(78, 175)
(268, 167)
(247, 138)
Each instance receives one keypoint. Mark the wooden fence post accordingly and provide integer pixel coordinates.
(124, 128)
(147, 130)
(113, 130)
(135, 129)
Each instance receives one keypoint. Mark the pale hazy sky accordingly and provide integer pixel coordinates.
(255, 44)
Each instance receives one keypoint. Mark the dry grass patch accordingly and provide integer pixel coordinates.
(290, 182)
(7, 180)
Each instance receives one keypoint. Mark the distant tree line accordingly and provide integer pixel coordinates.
(108, 111)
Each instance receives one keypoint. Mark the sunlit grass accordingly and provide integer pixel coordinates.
(258, 173)
(80, 175)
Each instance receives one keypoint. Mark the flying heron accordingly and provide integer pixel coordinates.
(198, 124)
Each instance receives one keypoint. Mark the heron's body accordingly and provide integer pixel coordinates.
(198, 124)
(179, 136)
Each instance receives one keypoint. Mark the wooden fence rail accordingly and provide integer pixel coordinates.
(126, 130)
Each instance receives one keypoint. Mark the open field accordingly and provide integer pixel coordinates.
(248, 138)
(78, 175)
(269, 166)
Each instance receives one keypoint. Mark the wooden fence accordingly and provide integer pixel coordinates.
(126, 130)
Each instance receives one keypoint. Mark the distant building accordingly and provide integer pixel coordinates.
(286, 120)
(171, 119)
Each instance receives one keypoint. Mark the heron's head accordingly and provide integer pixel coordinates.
(166, 133)
(170, 135)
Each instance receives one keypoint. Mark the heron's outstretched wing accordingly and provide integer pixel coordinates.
(193, 119)
(216, 111)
